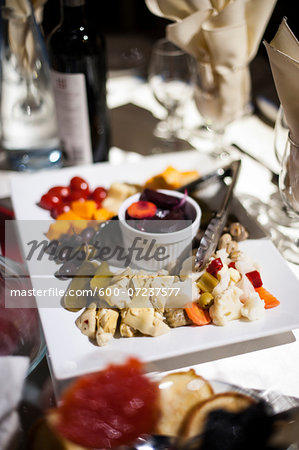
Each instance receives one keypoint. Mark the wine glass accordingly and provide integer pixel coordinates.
(278, 212)
(170, 79)
(289, 191)
(218, 106)
(281, 132)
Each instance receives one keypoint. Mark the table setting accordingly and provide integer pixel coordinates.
(205, 342)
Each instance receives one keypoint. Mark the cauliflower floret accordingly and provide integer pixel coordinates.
(224, 278)
(223, 255)
(235, 275)
(245, 264)
(246, 287)
(227, 306)
(253, 308)
(195, 291)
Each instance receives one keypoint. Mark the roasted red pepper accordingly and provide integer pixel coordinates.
(232, 264)
(255, 278)
(214, 266)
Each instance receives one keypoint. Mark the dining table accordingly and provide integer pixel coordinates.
(266, 364)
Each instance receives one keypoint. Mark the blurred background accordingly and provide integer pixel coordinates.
(130, 29)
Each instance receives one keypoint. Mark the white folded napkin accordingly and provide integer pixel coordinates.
(21, 38)
(13, 371)
(223, 33)
(283, 53)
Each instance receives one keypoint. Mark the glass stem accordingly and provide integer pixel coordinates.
(32, 101)
(219, 147)
(174, 121)
(218, 140)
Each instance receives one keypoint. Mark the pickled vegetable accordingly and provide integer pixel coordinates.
(81, 281)
(198, 315)
(162, 201)
(142, 210)
(176, 317)
(255, 278)
(102, 277)
(206, 300)
(207, 282)
(214, 266)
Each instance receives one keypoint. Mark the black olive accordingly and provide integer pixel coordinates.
(87, 234)
(67, 270)
(76, 240)
(64, 253)
(79, 259)
(65, 238)
(51, 247)
(97, 238)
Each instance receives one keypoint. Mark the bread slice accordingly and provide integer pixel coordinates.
(179, 392)
(195, 420)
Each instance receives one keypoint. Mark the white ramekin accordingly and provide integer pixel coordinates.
(175, 242)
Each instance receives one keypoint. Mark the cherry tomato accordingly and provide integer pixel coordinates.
(49, 201)
(59, 209)
(98, 195)
(78, 196)
(60, 191)
(79, 184)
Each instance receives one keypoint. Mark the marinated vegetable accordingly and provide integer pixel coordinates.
(142, 210)
(207, 282)
(177, 317)
(206, 300)
(161, 213)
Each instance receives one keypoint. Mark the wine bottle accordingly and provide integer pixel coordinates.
(78, 64)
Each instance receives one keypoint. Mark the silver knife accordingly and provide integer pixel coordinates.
(220, 172)
(209, 240)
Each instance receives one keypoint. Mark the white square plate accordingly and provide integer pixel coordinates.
(71, 352)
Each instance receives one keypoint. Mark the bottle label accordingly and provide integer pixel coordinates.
(72, 113)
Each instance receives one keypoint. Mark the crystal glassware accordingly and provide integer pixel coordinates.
(281, 132)
(21, 333)
(28, 114)
(289, 191)
(170, 79)
(218, 104)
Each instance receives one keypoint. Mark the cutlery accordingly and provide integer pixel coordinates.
(221, 172)
(210, 238)
(274, 175)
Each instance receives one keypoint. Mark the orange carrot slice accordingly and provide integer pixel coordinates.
(198, 315)
(142, 210)
(269, 299)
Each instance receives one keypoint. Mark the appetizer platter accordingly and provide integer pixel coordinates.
(242, 278)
